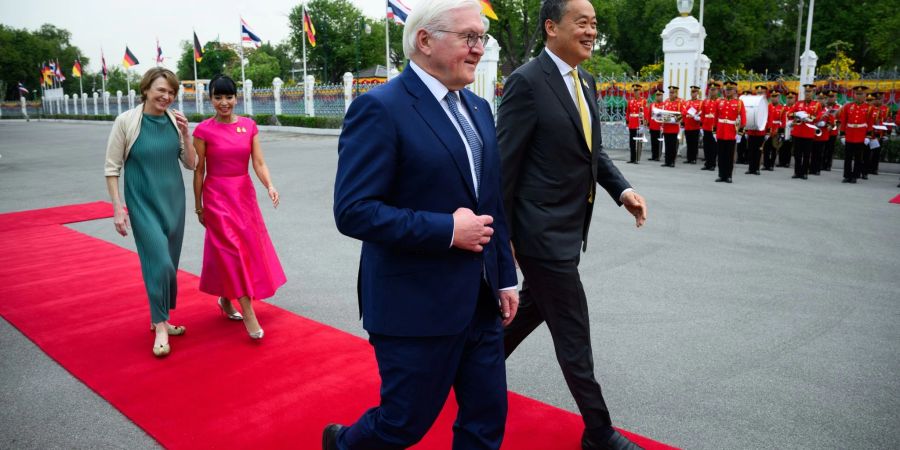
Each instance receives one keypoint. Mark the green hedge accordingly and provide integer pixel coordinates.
(283, 120)
(104, 117)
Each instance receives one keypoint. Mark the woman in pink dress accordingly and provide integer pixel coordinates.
(239, 261)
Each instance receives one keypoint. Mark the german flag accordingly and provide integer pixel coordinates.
(488, 10)
(129, 59)
(76, 69)
(198, 49)
(309, 28)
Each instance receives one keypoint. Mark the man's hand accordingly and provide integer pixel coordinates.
(635, 205)
(471, 232)
(509, 304)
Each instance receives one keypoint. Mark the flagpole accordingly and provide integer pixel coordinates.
(241, 47)
(306, 32)
(387, 49)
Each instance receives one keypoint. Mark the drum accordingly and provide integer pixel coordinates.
(757, 107)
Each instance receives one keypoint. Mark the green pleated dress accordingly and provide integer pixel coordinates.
(154, 193)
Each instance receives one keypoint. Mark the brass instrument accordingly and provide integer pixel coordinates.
(665, 116)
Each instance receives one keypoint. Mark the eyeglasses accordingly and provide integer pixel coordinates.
(472, 39)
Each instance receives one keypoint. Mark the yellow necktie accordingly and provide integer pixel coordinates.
(582, 110)
(585, 121)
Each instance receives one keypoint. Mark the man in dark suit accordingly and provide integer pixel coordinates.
(418, 181)
(552, 158)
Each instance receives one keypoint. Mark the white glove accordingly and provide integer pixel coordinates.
(844, 141)
(737, 140)
(867, 141)
(821, 124)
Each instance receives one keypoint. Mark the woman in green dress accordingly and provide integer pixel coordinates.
(148, 141)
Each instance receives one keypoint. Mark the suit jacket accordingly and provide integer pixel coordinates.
(402, 172)
(548, 170)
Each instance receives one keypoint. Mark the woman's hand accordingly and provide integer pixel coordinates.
(120, 220)
(199, 212)
(273, 194)
(181, 121)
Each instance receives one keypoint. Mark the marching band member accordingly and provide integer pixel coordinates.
(634, 119)
(856, 127)
(708, 116)
(832, 107)
(755, 140)
(775, 128)
(807, 114)
(820, 140)
(784, 155)
(730, 120)
(670, 129)
(653, 125)
(692, 124)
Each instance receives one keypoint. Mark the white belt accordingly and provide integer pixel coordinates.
(776, 122)
(856, 125)
(732, 122)
(634, 115)
(710, 116)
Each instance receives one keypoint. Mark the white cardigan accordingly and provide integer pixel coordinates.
(125, 132)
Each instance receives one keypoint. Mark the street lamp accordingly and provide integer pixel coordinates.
(359, 31)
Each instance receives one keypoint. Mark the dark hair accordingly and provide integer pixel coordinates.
(553, 10)
(222, 85)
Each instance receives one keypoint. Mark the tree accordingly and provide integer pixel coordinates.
(217, 58)
(606, 65)
(261, 68)
(23, 51)
(339, 30)
(116, 81)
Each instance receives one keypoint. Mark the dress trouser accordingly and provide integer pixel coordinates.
(552, 292)
(632, 145)
(692, 140)
(654, 145)
(769, 153)
(815, 159)
(671, 141)
(874, 157)
(784, 154)
(754, 151)
(416, 376)
(802, 150)
(726, 158)
(828, 154)
(853, 160)
(742, 150)
(710, 152)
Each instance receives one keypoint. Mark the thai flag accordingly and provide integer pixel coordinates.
(22, 88)
(398, 11)
(248, 36)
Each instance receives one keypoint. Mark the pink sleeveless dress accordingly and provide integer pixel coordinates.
(238, 256)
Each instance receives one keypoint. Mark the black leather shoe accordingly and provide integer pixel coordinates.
(845, 180)
(631, 162)
(606, 439)
(865, 177)
(728, 180)
(795, 176)
(720, 180)
(803, 177)
(329, 436)
(749, 172)
(853, 181)
(755, 172)
(706, 168)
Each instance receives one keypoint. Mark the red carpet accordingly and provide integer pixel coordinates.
(896, 199)
(82, 301)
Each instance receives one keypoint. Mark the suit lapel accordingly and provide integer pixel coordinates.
(433, 114)
(558, 85)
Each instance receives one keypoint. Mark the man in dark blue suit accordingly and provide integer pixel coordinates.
(418, 181)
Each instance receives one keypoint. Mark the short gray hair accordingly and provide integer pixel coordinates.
(431, 15)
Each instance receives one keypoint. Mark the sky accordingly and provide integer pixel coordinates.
(111, 24)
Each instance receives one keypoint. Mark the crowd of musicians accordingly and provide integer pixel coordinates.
(806, 129)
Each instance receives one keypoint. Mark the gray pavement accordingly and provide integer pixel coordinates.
(763, 314)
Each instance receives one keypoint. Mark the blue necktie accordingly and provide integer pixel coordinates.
(471, 135)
